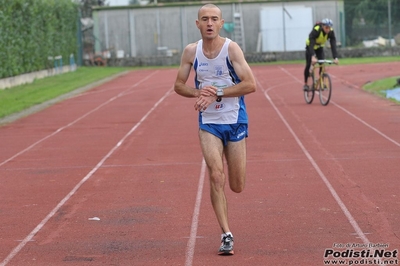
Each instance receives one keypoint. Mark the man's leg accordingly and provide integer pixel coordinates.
(319, 53)
(212, 148)
(307, 70)
(235, 154)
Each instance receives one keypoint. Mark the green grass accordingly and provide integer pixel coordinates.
(379, 87)
(21, 97)
(367, 60)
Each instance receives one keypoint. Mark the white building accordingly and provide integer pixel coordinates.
(126, 2)
(118, 2)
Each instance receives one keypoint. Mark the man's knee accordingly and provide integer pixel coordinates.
(237, 186)
(237, 189)
(217, 179)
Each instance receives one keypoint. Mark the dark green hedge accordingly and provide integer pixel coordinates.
(33, 30)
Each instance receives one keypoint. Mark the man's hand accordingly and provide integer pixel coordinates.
(208, 95)
(314, 59)
(336, 61)
(203, 102)
(208, 91)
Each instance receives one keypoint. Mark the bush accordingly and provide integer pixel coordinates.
(33, 30)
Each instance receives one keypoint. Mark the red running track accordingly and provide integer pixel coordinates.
(114, 176)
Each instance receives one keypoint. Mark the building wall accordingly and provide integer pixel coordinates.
(166, 30)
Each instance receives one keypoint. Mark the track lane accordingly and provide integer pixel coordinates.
(148, 220)
(54, 153)
(145, 194)
(353, 154)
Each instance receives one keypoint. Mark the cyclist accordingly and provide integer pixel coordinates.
(321, 32)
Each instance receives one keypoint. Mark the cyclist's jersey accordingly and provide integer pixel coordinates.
(219, 73)
(318, 38)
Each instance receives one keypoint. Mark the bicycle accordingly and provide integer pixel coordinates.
(322, 84)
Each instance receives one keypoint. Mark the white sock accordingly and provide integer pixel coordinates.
(228, 233)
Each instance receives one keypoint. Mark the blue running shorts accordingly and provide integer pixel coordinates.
(227, 132)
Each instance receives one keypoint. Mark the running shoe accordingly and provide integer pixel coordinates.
(226, 245)
(306, 88)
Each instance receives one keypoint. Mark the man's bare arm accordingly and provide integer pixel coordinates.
(180, 86)
(242, 69)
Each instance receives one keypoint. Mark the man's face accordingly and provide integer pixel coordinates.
(326, 28)
(209, 22)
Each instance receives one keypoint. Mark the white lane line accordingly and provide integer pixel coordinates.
(195, 219)
(350, 113)
(76, 120)
(346, 212)
(348, 83)
(72, 192)
(367, 125)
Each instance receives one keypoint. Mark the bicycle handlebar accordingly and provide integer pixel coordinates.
(325, 61)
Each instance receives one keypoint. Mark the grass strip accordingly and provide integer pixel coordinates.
(21, 97)
(379, 87)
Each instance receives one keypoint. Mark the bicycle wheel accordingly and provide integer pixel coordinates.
(309, 95)
(326, 91)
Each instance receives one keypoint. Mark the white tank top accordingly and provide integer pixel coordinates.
(219, 73)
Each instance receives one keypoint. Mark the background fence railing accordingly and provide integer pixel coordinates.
(137, 31)
(147, 31)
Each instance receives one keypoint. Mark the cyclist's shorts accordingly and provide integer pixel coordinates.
(227, 132)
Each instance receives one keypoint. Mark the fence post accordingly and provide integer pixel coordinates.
(58, 64)
(390, 23)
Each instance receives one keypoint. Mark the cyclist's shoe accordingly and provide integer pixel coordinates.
(306, 88)
(226, 245)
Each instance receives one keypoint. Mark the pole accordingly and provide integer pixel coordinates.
(390, 23)
(80, 42)
(284, 27)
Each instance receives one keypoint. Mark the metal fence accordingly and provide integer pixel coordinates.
(147, 31)
(137, 31)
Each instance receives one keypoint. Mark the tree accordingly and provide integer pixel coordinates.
(374, 12)
(369, 15)
(86, 6)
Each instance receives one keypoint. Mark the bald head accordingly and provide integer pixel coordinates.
(209, 6)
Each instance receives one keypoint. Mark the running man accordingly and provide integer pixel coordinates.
(222, 79)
